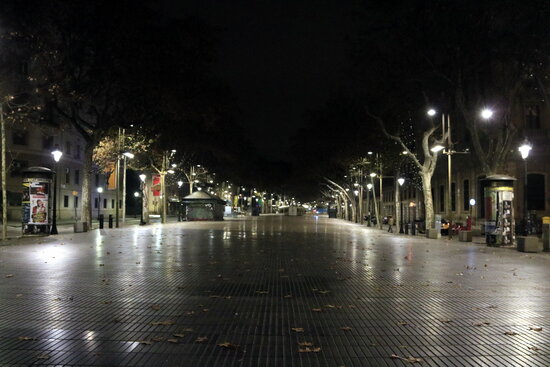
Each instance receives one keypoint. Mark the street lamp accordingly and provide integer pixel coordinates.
(400, 181)
(486, 113)
(142, 177)
(99, 191)
(180, 184)
(56, 157)
(525, 149)
(472, 204)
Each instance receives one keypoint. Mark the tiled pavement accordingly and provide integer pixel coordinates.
(187, 294)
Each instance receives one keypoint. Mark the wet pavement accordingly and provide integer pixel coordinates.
(270, 291)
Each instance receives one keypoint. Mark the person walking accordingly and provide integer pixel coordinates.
(390, 225)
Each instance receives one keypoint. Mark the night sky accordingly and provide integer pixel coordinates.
(280, 58)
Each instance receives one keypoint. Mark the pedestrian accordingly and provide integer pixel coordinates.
(390, 225)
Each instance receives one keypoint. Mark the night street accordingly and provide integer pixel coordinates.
(270, 291)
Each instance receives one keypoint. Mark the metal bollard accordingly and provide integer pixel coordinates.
(110, 221)
(100, 221)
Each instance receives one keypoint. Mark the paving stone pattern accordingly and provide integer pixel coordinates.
(270, 291)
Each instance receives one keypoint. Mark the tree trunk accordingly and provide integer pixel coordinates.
(145, 202)
(4, 172)
(376, 211)
(428, 200)
(87, 184)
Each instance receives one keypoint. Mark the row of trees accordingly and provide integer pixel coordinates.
(95, 67)
(457, 57)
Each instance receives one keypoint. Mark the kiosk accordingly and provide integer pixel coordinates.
(499, 210)
(37, 200)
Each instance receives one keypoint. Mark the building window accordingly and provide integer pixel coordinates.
(65, 201)
(442, 198)
(17, 166)
(47, 142)
(532, 117)
(77, 152)
(466, 195)
(536, 196)
(113, 203)
(76, 201)
(77, 177)
(96, 200)
(104, 203)
(120, 203)
(453, 196)
(96, 180)
(67, 176)
(68, 147)
(19, 137)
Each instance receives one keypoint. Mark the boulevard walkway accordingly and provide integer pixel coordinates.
(270, 291)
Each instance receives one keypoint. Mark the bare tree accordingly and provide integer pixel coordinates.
(425, 161)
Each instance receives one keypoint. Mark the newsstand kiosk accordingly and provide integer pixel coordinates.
(499, 210)
(36, 201)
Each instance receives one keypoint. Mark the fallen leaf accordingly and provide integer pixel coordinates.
(298, 329)
(179, 335)
(408, 359)
(262, 292)
(155, 307)
(288, 296)
(345, 328)
(205, 309)
(309, 350)
(188, 330)
(146, 342)
(167, 322)
(107, 302)
(402, 323)
(43, 356)
(446, 321)
(534, 349)
(27, 338)
(511, 333)
(305, 344)
(228, 345)
(157, 339)
(101, 264)
(536, 328)
(174, 341)
(317, 310)
(201, 339)
(9, 275)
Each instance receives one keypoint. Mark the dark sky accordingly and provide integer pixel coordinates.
(280, 58)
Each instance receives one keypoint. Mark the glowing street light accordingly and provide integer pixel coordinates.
(431, 112)
(524, 149)
(56, 157)
(437, 148)
(486, 113)
(401, 181)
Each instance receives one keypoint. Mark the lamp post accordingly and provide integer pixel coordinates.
(376, 210)
(136, 195)
(56, 157)
(180, 183)
(99, 191)
(369, 187)
(472, 204)
(525, 149)
(400, 181)
(142, 178)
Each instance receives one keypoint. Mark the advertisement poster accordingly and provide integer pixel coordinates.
(156, 185)
(26, 202)
(38, 195)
